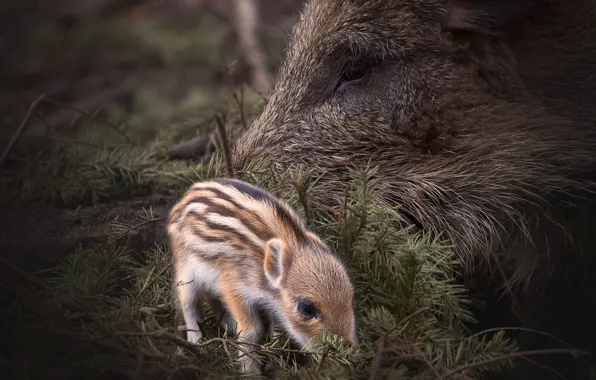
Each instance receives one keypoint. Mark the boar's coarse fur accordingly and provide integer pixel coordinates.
(481, 118)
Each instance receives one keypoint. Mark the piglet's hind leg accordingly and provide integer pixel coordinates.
(222, 316)
(190, 300)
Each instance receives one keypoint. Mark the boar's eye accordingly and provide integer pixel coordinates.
(355, 71)
(307, 309)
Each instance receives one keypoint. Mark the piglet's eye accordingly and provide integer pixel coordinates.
(307, 309)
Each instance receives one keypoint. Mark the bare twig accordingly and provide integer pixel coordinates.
(554, 373)
(150, 343)
(27, 276)
(167, 335)
(136, 227)
(92, 117)
(45, 122)
(323, 358)
(43, 286)
(21, 127)
(403, 321)
(515, 355)
(64, 140)
(402, 359)
(133, 351)
(241, 108)
(380, 346)
(538, 332)
(226, 144)
(429, 364)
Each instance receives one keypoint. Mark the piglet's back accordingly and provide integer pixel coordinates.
(230, 221)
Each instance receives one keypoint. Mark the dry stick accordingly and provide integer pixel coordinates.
(429, 364)
(29, 277)
(380, 343)
(140, 359)
(40, 284)
(191, 367)
(514, 355)
(22, 126)
(136, 227)
(131, 351)
(161, 334)
(554, 373)
(538, 332)
(241, 107)
(166, 335)
(323, 358)
(64, 140)
(225, 142)
(239, 101)
(45, 122)
(149, 342)
(403, 321)
(92, 117)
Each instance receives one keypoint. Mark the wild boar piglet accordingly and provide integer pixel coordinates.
(248, 254)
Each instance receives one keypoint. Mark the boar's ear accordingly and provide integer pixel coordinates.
(277, 262)
(486, 16)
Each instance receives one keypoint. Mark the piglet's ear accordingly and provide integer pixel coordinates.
(277, 262)
(486, 16)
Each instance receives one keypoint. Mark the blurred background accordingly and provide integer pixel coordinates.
(133, 61)
(130, 90)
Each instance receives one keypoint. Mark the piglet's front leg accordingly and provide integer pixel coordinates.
(249, 328)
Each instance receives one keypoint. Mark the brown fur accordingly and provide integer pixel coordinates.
(242, 249)
(479, 114)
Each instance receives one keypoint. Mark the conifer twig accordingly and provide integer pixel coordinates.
(515, 355)
(167, 335)
(403, 321)
(92, 117)
(136, 227)
(40, 284)
(20, 128)
(226, 144)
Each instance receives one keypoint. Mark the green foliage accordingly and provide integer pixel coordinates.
(91, 273)
(412, 314)
(71, 176)
(407, 296)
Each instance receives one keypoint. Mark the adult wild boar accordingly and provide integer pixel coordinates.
(480, 116)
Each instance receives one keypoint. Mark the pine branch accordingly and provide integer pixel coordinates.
(521, 354)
